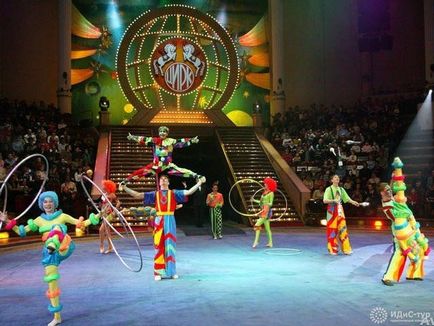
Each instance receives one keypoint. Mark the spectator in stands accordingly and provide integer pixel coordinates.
(318, 194)
(11, 159)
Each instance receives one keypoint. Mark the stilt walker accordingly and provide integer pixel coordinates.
(408, 241)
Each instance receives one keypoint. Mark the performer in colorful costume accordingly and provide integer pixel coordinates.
(408, 241)
(162, 148)
(57, 243)
(215, 202)
(336, 225)
(166, 201)
(109, 188)
(266, 204)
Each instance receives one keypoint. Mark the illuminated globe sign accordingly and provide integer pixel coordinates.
(178, 65)
(176, 58)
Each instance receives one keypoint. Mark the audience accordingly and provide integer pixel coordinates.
(40, 128)
(356, 142)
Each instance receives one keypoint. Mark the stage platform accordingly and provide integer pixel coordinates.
(222, 282)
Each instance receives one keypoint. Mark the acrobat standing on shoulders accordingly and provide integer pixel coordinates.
(162, 148)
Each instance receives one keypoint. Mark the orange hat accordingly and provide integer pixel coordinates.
(271, 183)
(109, 186)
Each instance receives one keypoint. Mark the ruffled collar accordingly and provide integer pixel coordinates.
(50, 217)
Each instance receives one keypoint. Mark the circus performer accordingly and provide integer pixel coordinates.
(109, 188)
(334, 196)
(57, 243)
(266, 204)
(165, 201)
(408, 241)
(162, 148)
(215, 202)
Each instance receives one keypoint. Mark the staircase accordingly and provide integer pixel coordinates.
(417, 153)
(242, 149)
(125, 157)
(248, 160)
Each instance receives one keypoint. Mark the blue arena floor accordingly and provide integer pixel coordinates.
(221, 282)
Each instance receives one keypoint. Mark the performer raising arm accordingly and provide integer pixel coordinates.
(162, 148)
(336, 224)
(165, 201)
(57, 243)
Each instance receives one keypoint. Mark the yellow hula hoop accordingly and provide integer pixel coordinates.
(284, 197)
(230, 192)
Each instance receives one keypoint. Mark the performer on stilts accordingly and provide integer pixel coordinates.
(336, 224)
(162, 148)
(109, 188)
(57, 243)
(408, 241)
(166, 201)
(215, 202)
(266, 204)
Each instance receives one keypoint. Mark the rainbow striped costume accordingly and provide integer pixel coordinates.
(408, 241)
(165, 202)
(336, 224)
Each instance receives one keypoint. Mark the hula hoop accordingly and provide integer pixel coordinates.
(5, 181)
(230, 192)
(123, 220)
(286, 204)
(282, 252)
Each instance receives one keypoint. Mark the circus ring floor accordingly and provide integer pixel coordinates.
(222, 282)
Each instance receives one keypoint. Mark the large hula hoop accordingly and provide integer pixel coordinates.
(5, 181)
(121, 218)
(282, 251)
(286, 204)
(230, 201)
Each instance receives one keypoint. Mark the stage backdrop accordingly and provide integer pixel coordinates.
(99, 27)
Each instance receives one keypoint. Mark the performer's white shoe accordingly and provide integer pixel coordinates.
(157, 277)
(55, 322)
(175, 277)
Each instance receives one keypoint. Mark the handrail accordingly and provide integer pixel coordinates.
(229, 164)
(294, 187)
(109, 147)
(101, 162)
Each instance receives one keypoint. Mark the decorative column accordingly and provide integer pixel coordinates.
(429, 40)
(64, 70)
(276, 19)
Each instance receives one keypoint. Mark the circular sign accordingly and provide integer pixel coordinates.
(178, 65)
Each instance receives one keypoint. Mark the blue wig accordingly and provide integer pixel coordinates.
(50, 194)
